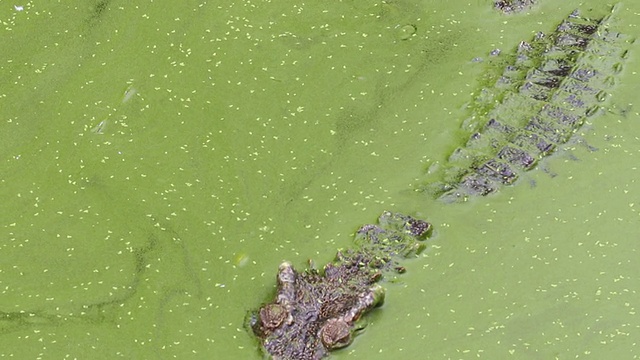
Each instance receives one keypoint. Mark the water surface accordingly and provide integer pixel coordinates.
(160, 160)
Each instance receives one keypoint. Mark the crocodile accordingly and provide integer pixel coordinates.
(315, 312)
(543, 94)
(539, 96)
(512, 6)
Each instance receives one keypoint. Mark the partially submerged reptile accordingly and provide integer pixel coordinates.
(315, 311)
(513, 6)
(539, 97)
(537, 101)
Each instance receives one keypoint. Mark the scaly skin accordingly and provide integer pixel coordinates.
(513, 6)
(314, 313)
(544, 94)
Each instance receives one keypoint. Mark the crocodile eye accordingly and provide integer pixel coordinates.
(335, 333)
(272, 316)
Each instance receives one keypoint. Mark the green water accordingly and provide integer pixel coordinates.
(160, 160)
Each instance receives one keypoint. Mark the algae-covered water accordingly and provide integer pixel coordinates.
(160, 159)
